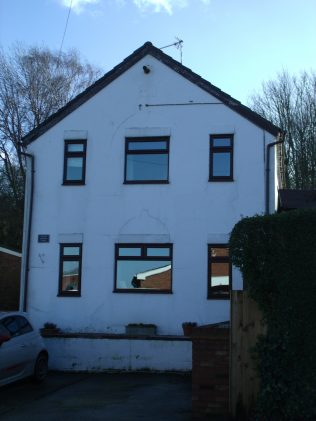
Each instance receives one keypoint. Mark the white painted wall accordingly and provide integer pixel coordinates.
(189, 211)
(78, 354)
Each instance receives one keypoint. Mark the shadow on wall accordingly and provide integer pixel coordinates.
(144, 225)
(10, 269)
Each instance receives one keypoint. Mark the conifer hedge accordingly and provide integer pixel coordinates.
(277, 257)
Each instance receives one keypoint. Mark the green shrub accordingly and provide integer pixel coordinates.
(277, 257)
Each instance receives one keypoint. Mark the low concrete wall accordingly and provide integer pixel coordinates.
(100, 354)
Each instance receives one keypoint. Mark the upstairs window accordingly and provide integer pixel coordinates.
(70, 269)
(75, 162)
(146, 160)
(221, 157)
(143, 268)
(219, 272)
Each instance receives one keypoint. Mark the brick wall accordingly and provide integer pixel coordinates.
(159, 280)
(10, 268)
(210, 372)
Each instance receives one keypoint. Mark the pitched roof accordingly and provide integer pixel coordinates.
(8, 251)
(297, 199)
(137, 55)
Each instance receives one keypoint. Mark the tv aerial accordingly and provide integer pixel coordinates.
(178, 44)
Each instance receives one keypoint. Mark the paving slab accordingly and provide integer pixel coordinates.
(102, 396)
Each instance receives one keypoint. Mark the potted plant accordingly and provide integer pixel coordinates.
(50, 329)
(141, 329)
(188, 328)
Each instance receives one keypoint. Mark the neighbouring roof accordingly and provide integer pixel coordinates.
(297, 199)
(137, 55)
(151, 272)
(8, 251)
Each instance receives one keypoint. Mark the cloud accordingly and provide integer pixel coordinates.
(78, 6)
(163, 5)
(156, 6)
(159, 5)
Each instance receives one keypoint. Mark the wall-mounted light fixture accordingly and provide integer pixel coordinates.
(146, 69)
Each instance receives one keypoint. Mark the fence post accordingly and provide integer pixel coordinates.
(246, 325)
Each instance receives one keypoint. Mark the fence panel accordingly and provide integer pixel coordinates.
(246, 325)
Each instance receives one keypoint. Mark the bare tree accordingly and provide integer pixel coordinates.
(34, 83)
(290, 103)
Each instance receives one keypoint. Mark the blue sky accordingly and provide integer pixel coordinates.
(235, 44)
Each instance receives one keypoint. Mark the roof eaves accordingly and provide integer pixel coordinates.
(128, 62)
(87, 93)
(228, 100)
(9, 251)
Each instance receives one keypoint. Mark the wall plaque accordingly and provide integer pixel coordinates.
(43, 238)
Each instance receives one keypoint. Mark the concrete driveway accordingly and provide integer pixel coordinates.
(104, 396)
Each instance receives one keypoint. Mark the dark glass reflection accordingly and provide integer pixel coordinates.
(71, 251)
(147, 167)
(75, 147)
(221, 164)
(144, 274)
(219, 252)
(70, 276)
(220, 142)
(220, 278)
(74, 169)
(134, 146)
(129, 251)
(158, 251)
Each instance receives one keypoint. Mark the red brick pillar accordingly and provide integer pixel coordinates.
(210, 371)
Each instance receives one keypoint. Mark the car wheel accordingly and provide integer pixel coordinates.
(41, 368)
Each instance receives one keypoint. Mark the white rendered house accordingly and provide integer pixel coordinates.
(136, 186)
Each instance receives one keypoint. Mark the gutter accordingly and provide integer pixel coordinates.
(27, 229)
(269, 146)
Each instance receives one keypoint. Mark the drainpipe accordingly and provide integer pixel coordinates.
(27, 229)
(269, 146)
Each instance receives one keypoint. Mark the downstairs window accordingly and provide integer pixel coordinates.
(143, 268)
(219, 272)
(70, 270)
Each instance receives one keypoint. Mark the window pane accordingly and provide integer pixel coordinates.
(219, 252)
(75, 147)
(70, 276)
(219, 278)
(74, 169)
(221, 164)
(222, 142)
(144, 167)
(25, 327)
(4, 331)
(129, 251)
(12, 324)
(134, 146)
(158, 251)
(144, 274)
(71, 251)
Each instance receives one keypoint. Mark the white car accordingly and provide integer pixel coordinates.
(22, 351)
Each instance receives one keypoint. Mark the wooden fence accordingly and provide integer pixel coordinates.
(246, 325)
(10, 267)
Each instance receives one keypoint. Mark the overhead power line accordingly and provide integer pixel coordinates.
(66, 26)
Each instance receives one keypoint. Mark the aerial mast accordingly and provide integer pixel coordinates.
(178, 44)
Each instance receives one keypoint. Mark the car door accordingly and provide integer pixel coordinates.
(17, 354)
